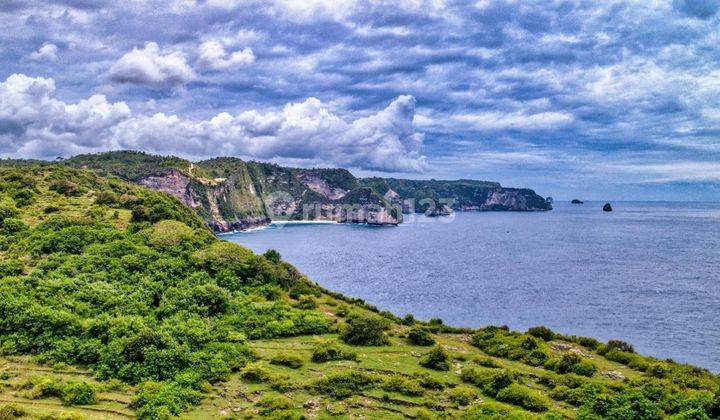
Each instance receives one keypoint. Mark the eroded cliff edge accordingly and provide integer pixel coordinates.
(232, 194)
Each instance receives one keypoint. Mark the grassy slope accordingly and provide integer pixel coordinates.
(77, 280)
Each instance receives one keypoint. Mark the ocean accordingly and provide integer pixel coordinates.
(647, 273)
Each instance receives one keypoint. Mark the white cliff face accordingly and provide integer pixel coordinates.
(509, 200)
(174, 183)
(320, 186)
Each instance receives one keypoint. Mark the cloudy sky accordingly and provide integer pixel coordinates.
(595, 99)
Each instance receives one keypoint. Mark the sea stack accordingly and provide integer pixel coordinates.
(607, 207)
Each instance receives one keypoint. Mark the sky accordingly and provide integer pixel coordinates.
(575, 99)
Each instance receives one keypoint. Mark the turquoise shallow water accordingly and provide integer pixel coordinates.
(647, 273)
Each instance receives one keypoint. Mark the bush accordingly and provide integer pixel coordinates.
(420, 337)
(255, 372)
(344, 385)
(12, 226)
(408, 320)
(617, 345)
(159, 400)
(271, 403)
(437, 359)
(541, 332)
(8, 208)
(489, 381)
(572, 363)
(403, 385)
(168, 234)
(78, 393)
(366, 330)
(486, 362)
(584, 368)
(523, 397)
(306, 302)
(65, 187)
(10, 411)
(289, 360)
(327, 351)
(428, 382)
(462, 395)
(106, 197)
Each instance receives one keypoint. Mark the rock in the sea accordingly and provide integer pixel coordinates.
(576, 201)
(607, 207)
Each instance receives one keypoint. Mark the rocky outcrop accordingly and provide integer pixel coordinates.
(576, 201)
(231, 194)
(434, 197)
(607, 207)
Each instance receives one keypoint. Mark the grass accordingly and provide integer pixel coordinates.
(17, 371)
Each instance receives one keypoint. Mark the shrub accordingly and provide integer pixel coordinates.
(106, 197)
(8, 208)
(11, 411)
(65, 187)
(271, 403)
(523, 397)
(420, 337)
(462, 395)
(428, 382)
(78, 393)
(327, 351)
(437, 359)
(306, 302)
(12, 226)
(617, 345)
(285, 359)
(366, 330)
(255, 372)
(489, 381)
(344, 385)
(408, 319)
(157, 400)
(168, 234)
(342, 310)
(584, 368)
(403, 385)
(486, 362)
(541, 332)
(572, 363)
(272, 256)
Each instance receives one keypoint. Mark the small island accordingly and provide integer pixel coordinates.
(607, 207)
(576, 201)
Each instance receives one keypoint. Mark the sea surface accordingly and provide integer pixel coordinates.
(647, 273)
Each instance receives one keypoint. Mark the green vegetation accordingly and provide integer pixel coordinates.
(119, 302)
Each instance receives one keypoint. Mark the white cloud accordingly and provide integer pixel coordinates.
(39, 125)
(151, 67)
(213, 56)
(496, 120)
(36, 124)
(46, 52)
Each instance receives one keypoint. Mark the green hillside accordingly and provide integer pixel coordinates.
(118, 302)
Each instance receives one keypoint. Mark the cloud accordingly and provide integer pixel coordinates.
(214, 56)
(46, 52)
(39, 125)
(151, 67)
(34, 123)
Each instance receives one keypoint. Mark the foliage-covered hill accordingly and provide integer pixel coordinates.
(117, 301)
(230, 193)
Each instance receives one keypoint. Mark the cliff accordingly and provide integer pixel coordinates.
(232, 194)
(434, 197)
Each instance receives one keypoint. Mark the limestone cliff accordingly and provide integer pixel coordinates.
(232, 194)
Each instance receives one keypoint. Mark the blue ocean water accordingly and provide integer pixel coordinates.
(647, 273)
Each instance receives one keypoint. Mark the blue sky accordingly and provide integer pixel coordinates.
(597, 100)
